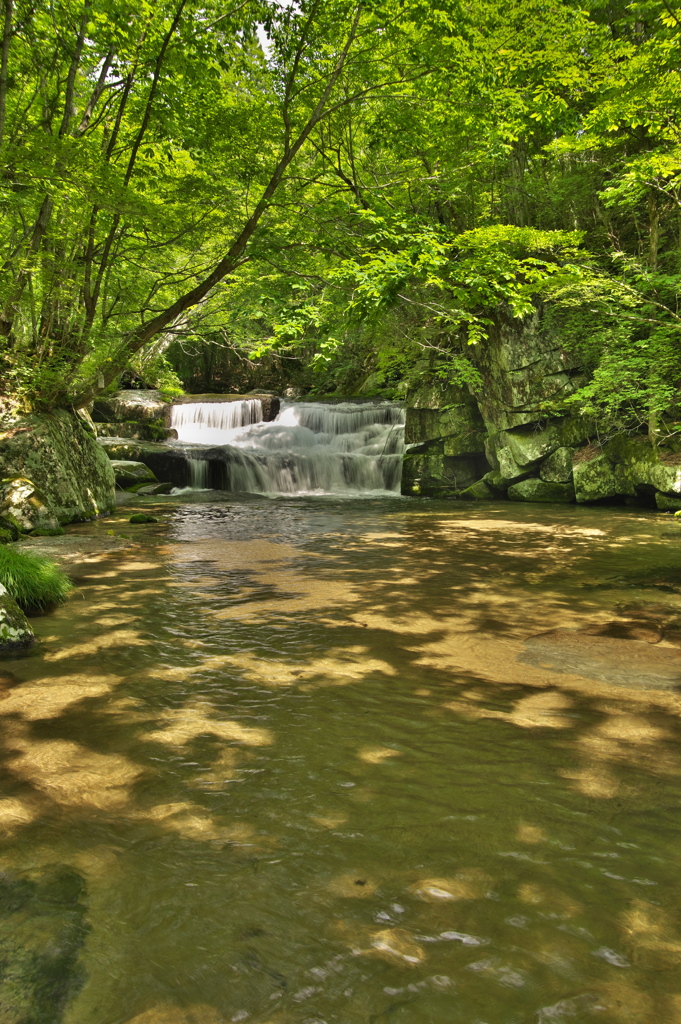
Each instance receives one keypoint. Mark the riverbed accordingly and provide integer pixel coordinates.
(336, 761)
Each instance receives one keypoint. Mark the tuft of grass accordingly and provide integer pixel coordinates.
(34, 582)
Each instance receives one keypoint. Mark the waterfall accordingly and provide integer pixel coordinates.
(310, 448)
(198, 474)
(208, 422)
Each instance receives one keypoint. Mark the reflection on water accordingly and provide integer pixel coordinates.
(302, 762)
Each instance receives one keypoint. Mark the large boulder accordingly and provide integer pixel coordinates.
(508, 467)
(625, 467)
(165, 461)
(667, 504)
(540, 490)
(529, 445)
(151, 431)
(523, 366)
(496, 482)
(479, 491)
(558, 467)
(52, 470)
(427, 471)
(129, 473)
(447, 413)
(127, 406)
(15, 631)
(445, 439)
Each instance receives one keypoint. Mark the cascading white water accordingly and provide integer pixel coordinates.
(198, 474)
(311, 447)
(208, 422)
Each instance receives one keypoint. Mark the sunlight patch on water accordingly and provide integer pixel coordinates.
(70, 773)
(456, 835)
(185, 724)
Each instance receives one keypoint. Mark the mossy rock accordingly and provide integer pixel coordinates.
(129, 473)
(479, 491)
(163, 488)
(52, 471)
(509, 468)
(148, 431)
(624, 467)
(15, 631)
(43, 926)
(540, 491)
(667, 504)
(126, 406)
(9, 527)
(47, 531)
(557, 469)
(529, 446)
(497, 482)
(142, 517)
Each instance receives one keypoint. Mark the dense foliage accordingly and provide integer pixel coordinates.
(338, 194)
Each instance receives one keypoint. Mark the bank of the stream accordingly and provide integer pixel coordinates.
(301, 760)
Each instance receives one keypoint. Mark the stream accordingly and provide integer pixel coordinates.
(302, 761)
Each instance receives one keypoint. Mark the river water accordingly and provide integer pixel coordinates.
(295, 761)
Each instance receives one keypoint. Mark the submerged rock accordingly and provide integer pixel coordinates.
(42, 930)
(625, 662)
(166, 1013)
(153, 489)
(15, 631)
(53, 471)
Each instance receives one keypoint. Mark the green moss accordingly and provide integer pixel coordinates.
(34, 582)
(142, 517)
(7, 526)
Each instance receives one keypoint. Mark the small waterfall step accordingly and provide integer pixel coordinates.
(307, 448)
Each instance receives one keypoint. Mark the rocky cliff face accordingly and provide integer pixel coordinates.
(52, 471)
(501, 443)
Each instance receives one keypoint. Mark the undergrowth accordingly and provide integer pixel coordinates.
(35, 583)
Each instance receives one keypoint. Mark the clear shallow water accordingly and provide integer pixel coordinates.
(293, 761)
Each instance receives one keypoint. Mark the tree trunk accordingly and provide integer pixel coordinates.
(8, 6)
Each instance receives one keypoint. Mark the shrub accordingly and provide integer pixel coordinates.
(34, 582)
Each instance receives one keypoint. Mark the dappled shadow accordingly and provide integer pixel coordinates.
(303, 769)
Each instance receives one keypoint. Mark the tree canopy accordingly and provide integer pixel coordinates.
(350, 186)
